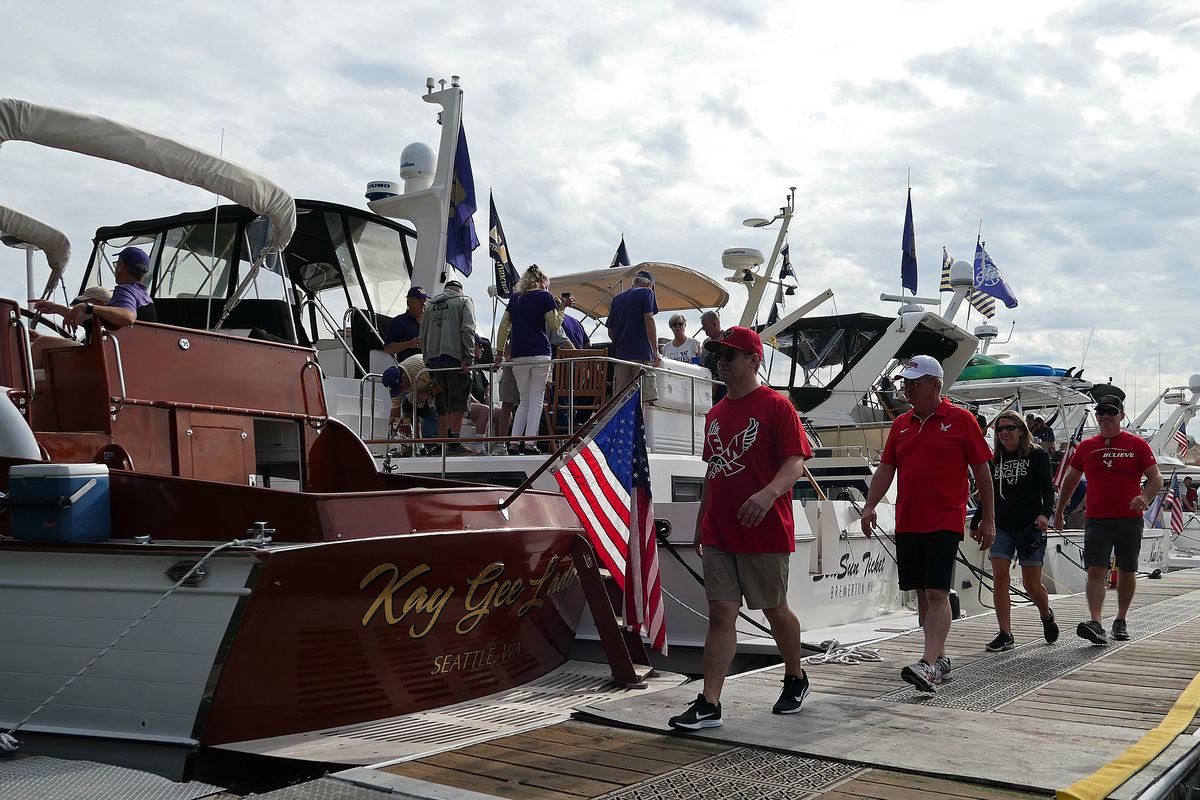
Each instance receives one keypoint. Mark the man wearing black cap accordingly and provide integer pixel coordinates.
(1114, 462)
(404, 334)
(634, 334)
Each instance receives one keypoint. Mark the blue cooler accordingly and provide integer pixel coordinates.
(59, 502)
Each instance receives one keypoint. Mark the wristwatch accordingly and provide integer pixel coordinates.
(90, 308)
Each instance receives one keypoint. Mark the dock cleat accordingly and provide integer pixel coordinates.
(921, 675)
(700, 714)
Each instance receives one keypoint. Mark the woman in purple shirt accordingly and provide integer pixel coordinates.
(532, 316)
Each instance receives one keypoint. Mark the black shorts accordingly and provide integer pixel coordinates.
(1103, 536)
(926, 560)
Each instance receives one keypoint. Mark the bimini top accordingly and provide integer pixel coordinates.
(104, 138)
(28, 230)
(676, 288)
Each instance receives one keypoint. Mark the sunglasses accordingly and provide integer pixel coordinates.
(1008, 428)
(728, 354)
(1107, 411)
(677, 324)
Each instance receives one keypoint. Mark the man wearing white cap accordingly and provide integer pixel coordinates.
(931, 448)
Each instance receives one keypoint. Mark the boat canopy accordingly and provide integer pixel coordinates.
(104, 138)
(27, 230)
(676, 288)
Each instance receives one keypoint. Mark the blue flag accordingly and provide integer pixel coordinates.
(908, 250)
(506, 273)
(460, 233)
(621, 257)
(988, 279)
(786, 270)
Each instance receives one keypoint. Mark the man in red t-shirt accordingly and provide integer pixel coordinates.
(931, 447)
(755, 448)
(1114, 462)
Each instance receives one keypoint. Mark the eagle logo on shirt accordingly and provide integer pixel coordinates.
(724, 460)
(945, 426)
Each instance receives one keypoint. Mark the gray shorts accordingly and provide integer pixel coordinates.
(761, 578)
(623, 374)
(1103, 537)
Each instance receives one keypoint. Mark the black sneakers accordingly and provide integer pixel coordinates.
(1003, 641)
(1093, 631)
(700, 714)
(1050, 628)
(793, 694)
(1119, 632)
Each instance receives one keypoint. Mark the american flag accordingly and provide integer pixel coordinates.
(1180, 438)
(607, 483)
(1176, 505)
(1072, 443)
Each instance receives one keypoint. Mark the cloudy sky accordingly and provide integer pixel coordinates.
(1068, 128)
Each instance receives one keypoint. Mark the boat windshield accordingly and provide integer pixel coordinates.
(825, 347)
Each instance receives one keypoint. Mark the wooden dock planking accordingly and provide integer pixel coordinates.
(1129, 687)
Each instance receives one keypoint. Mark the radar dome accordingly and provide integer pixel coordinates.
(741, 258)
(962, 273)
(417, 163)
(1194, 383)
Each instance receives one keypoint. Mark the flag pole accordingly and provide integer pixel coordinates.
(575, 438)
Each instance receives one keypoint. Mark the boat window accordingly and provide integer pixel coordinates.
(385, 271)
(101, 270)
(686, 489)
(195, 261)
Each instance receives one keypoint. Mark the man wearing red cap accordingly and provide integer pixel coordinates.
(931, 446)
(755, 447)
(1114, 462)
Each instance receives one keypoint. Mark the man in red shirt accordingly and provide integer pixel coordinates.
(931, 447)
(755, 447)
(1114, 462)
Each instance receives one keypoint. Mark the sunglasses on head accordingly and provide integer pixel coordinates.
(1008, 427)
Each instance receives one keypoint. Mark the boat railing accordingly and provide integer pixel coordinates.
(565, 399)
(331, 323)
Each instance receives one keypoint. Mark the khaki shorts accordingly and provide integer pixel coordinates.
(623, 374)
(761, 578)
(508, 387)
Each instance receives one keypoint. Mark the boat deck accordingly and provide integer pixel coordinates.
(1023, 723)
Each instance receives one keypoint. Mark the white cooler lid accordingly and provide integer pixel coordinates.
(57, 471)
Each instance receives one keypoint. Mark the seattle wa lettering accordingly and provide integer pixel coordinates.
(405, 597)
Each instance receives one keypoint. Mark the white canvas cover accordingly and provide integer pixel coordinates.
(107, 139)
(676, 288)
(50, 241)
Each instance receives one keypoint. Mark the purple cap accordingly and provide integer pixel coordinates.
(418, 292)
(135, 260)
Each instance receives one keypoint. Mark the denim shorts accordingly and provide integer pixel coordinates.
(1005, 546)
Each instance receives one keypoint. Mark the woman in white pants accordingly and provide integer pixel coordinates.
(532, 317)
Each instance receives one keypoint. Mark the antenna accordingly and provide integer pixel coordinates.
(1086, 346)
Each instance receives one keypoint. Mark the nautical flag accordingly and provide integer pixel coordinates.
(944, 285)
(1176, 504)
(1180, 438)
(506, 273)
(607, 483)
(621, 257)
(773, 315)
(908, 251)
(988, 280)
(460, 233)
(786, 270)
(1072, 443)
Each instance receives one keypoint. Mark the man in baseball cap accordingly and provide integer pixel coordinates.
(1114, 461)
(931, 446)
(755, 447)
(634, 336)
(403, 338)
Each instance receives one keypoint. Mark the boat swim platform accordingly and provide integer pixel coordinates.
(1024, 723)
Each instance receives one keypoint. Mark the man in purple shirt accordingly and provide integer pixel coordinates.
(634, 335)
(130, 299)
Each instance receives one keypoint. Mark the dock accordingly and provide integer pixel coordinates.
(1024, 723)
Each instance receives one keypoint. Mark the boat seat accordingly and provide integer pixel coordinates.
(587, 380)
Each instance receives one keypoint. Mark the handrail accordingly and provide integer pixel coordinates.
(352, 310)
(27, 350)
(374, 378)
(333, 328)
(117, 402)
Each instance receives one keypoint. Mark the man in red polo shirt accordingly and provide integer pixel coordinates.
(1114, 462)
(755, 448)
(931, 447)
